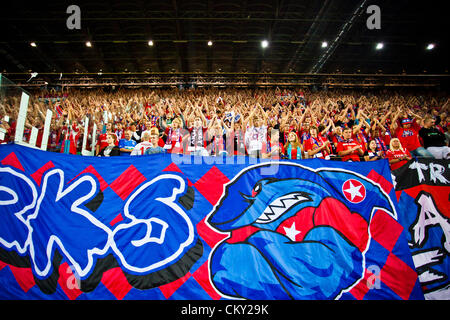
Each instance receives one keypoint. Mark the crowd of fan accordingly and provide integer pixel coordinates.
(275, 123)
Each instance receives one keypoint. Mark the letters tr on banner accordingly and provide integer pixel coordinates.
(149, 227)
(423, 192)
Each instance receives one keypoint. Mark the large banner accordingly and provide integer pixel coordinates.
(186, 227)
(423, 192)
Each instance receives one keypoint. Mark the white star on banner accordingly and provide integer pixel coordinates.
(291, 232)
(354, 191)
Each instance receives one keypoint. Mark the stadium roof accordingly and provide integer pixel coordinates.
(120, 31)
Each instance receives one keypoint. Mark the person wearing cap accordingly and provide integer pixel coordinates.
(434, 139)
(408, 134)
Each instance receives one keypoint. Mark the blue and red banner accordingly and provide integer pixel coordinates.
(185, 227)
(423, 192)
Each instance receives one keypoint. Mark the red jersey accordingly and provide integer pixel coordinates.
(314, 143)
(303, 135)
(394, 154)
(361, 138)
(346, 145)
(409, 138)
(39, 137)
(102, 141)
(335, 138)
(53, 139)
(386, 137)
(72, 135)
(161, 143)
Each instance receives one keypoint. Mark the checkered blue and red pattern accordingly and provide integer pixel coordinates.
(119, 178)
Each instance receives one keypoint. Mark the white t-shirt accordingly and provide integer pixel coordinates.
(255, 137)
(140, 148)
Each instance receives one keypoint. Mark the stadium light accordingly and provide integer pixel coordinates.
(33, 44)
(150, 43)
(379, 46)
(430, 46)
(324, 44)
(88, 44)
(264, 43)
(210, 43)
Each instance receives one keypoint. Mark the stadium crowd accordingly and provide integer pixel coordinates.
(338, 124)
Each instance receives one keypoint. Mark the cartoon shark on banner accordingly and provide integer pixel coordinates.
(307, 231)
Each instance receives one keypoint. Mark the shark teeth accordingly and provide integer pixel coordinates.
(280, 205)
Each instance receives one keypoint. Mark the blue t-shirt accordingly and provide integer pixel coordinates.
(126, 144)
